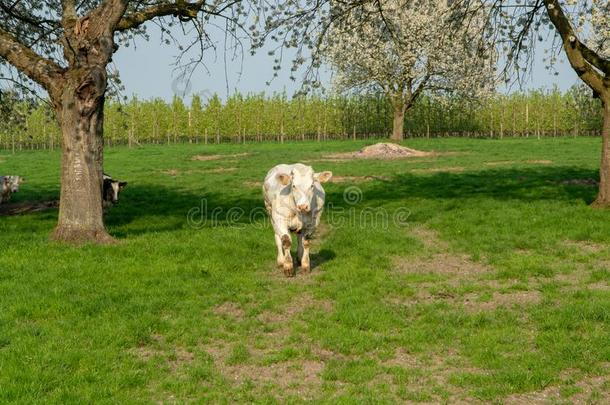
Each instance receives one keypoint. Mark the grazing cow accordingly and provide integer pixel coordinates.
(294, 199)
(111, 190)
(9, 185)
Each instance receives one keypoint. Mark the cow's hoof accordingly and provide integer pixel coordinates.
(305, 269)
(288, 269)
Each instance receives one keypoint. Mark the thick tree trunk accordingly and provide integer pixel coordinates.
(81, 113)
(398, 124)
(603, 196)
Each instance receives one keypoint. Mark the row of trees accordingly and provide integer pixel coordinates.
(258, 117)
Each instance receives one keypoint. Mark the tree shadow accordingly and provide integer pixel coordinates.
(525, 184)
(145, 208)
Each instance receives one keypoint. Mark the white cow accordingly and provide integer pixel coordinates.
(8, 186)
(294, 199)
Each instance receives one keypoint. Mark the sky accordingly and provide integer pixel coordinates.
(147, 71)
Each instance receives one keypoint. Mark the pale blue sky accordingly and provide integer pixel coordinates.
(148, 72)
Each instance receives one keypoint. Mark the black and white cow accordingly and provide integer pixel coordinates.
(8, 186)
(111, 190)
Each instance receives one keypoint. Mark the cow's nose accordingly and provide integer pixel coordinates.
(303, 207)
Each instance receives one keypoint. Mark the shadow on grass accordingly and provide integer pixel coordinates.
(526, 184)
(144, 209)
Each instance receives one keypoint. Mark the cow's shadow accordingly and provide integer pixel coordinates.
(320, 257)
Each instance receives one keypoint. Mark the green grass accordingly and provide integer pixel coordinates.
(495, 286)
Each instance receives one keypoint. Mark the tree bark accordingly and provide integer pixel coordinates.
(398, 124)
(603, 196)
(80, 113)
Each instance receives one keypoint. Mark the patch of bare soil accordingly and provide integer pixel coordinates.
(591, 390)
(599, 286)
(175, 359)
(230, 309)
(27, 207)
(472, 302)
(205, 158)
(510, 162)
(587, 247)
(356, 179)
(295, 307)
(581, 182)
(299, 377)
(428, 237)
(438, 261)
(453, 169)
(456, 269)
(293, 377)
(176, 172)
(253, 183)
(438, 368)
(446, 264)
(382, 150)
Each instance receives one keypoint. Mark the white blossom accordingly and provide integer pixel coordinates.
(411, 47)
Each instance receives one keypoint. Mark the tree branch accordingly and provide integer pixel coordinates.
(574, 49)
(41, 70)
(180, 8)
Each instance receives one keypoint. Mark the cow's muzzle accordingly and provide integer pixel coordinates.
(303, 208)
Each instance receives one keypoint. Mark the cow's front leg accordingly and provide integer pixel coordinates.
(283, 241)
(287, 265)
(303, 253)
(280, 250)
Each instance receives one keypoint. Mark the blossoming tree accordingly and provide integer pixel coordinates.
(405, 48)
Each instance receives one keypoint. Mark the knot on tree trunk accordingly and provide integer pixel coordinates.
(91, 91)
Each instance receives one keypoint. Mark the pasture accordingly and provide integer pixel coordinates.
(491, 285)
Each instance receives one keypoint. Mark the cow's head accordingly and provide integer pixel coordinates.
(11, 183)
(112, 188)
(302, 183)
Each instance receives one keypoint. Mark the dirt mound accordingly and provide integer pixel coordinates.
(383, 150)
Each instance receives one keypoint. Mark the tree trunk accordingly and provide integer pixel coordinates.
(80, 113)
(398, 124)
(603, 196)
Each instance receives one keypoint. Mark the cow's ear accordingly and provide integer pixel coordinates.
(323, 177)
(122, 184)
(284, 179)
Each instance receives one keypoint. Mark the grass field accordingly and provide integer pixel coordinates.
(492, 287)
